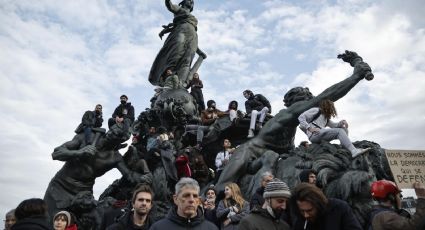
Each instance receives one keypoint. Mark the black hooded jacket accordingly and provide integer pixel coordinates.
(33, 223)
(176, 222)
(257, 102)
(126, 111)
(126, 223)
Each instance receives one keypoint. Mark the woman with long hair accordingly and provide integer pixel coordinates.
(232, 208)
(314, 123)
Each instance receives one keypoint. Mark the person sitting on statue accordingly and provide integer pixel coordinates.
(123, 114)
(196, 86)
(90, 119)
(256, 106)
(233, 111)
(208, 117)
(171, 80)
(315, 120)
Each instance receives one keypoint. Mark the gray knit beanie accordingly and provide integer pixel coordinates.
(276, 188)
(68, 216)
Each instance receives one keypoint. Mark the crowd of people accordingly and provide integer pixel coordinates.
(303, 207)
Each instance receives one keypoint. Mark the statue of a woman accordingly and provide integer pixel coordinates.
(180, 46)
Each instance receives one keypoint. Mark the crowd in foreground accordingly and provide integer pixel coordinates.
(273, 206)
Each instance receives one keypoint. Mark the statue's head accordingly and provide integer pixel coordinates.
(297, 94)
(116, 135)
(188, 4)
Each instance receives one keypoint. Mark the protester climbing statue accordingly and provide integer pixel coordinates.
(83, 164)
(278, 133)
(180, 46)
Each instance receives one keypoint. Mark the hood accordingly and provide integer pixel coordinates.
(182, 221)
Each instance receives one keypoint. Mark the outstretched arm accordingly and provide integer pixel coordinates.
(171, 7)
(336, 91)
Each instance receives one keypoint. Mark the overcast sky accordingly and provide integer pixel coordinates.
(60, 58)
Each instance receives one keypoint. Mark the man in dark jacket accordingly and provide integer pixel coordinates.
(124, 113)
(315, 211)
(139, 218)
(256, 105)
(385, 216)
(186, 214)
(257, 200)
(91, 119)
(276, 195)
(31, 214)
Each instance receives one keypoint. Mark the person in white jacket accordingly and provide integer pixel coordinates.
(315, 120)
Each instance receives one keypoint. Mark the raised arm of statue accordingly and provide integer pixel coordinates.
(340, 89)
(70, 150)
(171, 7)
(201, 53)
(336, 91)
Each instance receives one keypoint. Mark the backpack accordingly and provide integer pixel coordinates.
(317, 115)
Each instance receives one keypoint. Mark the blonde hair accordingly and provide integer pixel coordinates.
(236, 195)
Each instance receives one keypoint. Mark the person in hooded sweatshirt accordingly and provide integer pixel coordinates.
(186, 214)
(123, 114)
(31, 214)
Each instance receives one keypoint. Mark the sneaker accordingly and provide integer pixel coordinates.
(258, 126)
(360, 152)
(250, 133)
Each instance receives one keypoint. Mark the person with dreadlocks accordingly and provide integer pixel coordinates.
(315, 120)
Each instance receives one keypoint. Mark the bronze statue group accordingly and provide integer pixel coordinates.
(191, 166)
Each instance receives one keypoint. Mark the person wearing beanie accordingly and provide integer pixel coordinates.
(63, 221)
(313, 210)
(256, 106)
(276, 195)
